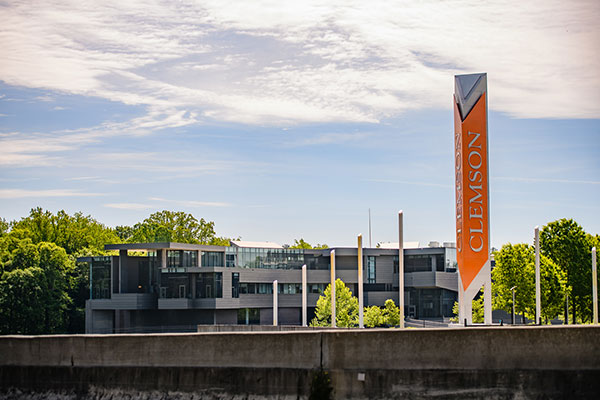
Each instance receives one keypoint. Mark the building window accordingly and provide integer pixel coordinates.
(370, 269)
(417, 263)
(173, 258)
(248, 316)
(210, 285)
(212, 259)
(190, 258)
(235, 285)
(230, 260)
(100, 278)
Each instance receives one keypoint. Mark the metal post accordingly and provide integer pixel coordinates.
(594, 285)
(333, 315)
(304, 294)
(513, 304)
(91, 263)
(360, 283)
(567, 310)
(401, 267)
(538, 306)
(275, 313)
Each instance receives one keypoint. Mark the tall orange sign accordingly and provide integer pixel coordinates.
(472, 197)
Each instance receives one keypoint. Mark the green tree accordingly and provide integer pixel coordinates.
(173, 226)
(373, 317)
(72, 233)
(34, 288)
(346, 307)
(302, 244)
(391, 313)
(515, 266)
(566, 243)
(4, 226)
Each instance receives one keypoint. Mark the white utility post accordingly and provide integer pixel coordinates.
(401, 267)
(304, 294)
(360, 283)
(594, 285)
(332, 256)
(538, 301)
(275, 303)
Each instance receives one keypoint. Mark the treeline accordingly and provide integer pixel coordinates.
(565, 274)
(42, 287)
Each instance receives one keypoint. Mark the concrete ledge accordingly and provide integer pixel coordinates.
(496, 362)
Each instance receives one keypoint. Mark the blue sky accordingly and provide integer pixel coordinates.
(280, 120)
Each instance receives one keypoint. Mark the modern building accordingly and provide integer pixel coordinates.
(167, 287)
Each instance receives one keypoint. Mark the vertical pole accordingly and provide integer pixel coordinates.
(401, 267)
(370, 244)
(594, 285)
(360, 283)
(538, 301)
(513, 304)
(304, 294)
(333, 315)
(275, 313)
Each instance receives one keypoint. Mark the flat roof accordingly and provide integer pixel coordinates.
(256, 245)
(162, 245)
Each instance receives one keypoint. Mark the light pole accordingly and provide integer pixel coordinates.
(513, 303)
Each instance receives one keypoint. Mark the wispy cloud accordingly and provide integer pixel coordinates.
(545, 180)
(284, 62)
(416, 183)
(330, 138)
(24, 193)
(191, 203)
(129, 206)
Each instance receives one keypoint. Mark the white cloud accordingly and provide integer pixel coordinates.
(129, 206)
(24, 193)
(191, 203)
(282, 62)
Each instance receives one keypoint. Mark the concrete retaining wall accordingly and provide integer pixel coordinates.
(380, 363)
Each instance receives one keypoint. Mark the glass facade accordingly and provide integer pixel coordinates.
(248, 316)
(370, 269)
(182, 258)
(267, 258)
(100, 277)
(209, 285)
(432, 303)
(235, 285)
(175, 286)
(213, 259)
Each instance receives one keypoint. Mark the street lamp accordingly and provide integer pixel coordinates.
(513, 304)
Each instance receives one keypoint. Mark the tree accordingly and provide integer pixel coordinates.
(302, 244)
(34, 288)
(391, 313)
(515, 266)
(173, 226)
(566, 244)
(346, 307)
(373, 317)
(72, 233)
(477, 308)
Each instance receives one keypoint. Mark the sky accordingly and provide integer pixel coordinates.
(281, 120)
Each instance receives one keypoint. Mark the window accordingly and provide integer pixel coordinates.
(209, 285)
(100, 277)
(230, 260)
(417, 263)
(190, 258)
(235, 285)
(173, 258)
(248, 316)
(370, 269)
(213, 259)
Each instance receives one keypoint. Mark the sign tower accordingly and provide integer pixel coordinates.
(472, 193)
